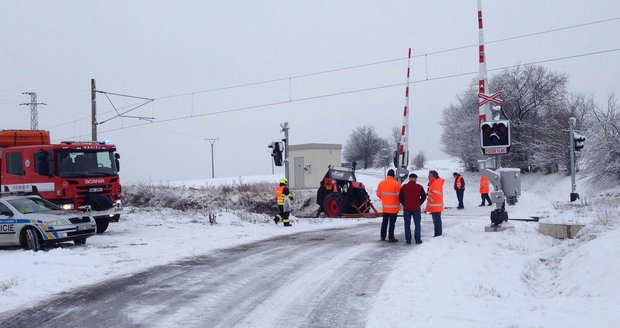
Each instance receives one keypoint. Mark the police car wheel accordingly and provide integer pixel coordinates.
(80, 241)
(32, 240)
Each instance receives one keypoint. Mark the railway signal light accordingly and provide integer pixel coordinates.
(277, 147)
(495, 137)
(579, 139)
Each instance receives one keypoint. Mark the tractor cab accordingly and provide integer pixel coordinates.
(339, 178)
(340, 194)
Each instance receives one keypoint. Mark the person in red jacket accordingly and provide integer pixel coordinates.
(412, 195)
(387, 191)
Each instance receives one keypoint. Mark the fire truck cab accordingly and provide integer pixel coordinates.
(73, 175)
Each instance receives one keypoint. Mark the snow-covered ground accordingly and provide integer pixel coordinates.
(466, 278)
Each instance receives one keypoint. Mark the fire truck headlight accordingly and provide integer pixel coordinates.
(67, 206)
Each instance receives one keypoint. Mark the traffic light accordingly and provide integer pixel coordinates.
(579, 139)
(495, 134)
(276, 152)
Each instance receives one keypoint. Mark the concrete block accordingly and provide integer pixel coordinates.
(561, 231)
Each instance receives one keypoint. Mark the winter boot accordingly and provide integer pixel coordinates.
(276, 219)
(287, 224)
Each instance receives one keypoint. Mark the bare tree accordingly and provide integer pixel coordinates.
(535, 102)
(419, 160)
(551, 151)
(362, 146)
(528, 93)
(602, 146)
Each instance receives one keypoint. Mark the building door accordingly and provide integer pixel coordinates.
(299, 173)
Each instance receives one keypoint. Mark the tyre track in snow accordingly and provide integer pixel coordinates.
(325, 278)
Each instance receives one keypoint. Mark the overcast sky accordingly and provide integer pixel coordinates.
(156, 49)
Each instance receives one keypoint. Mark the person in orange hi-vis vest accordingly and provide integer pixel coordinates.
(434, 201)
(283, 199)
(459, 187)
(484, 190)
(387, 191)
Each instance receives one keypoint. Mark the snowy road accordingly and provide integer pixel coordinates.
(326, 278)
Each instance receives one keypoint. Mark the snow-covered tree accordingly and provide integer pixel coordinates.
(551, 152)
(602, 145)
(362, 146)
(461, 135)
(534, 101)
(528, 92)
(419, 160)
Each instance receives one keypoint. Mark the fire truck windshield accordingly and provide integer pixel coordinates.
(78, 163)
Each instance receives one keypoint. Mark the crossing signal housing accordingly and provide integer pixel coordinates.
(495, 137)
(277, 147)
(579, 139)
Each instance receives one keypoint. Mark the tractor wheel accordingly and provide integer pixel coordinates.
(333, 205)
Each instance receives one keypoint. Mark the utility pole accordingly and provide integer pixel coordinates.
(93, 108)
(34, 115)
(285, 128)
(212, 141)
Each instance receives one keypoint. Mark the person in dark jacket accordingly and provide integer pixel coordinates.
(459, 186)
(412, 196)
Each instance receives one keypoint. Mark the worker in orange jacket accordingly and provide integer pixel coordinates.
(387, 191)
(484, 190)
(283, 199)
(459, 187)
(434, 201)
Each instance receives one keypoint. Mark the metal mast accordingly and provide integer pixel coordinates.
(34, 115)
(212, 141)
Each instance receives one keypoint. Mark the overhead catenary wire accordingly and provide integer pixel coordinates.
(425, 55)
(388, 60)
(276, 103)
(290, 78)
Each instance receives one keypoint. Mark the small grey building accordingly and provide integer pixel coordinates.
(308, 163)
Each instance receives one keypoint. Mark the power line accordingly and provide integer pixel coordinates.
(366, 65)
(388, 60)
(359, 90)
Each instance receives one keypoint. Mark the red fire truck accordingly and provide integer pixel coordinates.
(72, 174)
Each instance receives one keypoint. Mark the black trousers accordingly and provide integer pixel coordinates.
(485, 196)
(388, 218)
(459, 196)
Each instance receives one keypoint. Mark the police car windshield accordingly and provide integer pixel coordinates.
(32, 205)
(77, 163)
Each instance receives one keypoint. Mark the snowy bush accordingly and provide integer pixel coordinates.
(249, 197)
(4, 285)
(602, 146)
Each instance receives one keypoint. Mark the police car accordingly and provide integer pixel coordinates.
(33, 222)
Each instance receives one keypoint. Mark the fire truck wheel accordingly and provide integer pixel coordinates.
(33, 242)
(102, 224)
(81, 241)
